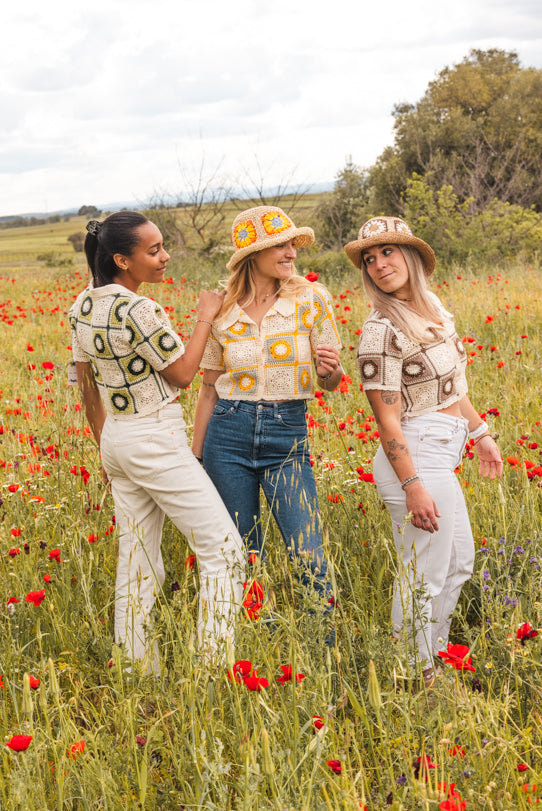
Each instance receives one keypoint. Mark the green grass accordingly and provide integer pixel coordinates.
(192, 739)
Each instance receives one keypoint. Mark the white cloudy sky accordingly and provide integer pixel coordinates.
(117, 100)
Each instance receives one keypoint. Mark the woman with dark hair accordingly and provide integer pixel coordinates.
(250, 428)
(412, 366)
(130, 366)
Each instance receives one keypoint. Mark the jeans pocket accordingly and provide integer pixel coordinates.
(221, 410)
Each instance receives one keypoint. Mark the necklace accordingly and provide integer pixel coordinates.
(263, 298)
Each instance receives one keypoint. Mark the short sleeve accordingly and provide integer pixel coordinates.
(213, 356)
(380, 357)
(150, 335)
(78, 354)
(324, 329)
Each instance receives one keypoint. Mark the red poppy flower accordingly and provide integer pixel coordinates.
(2, 683)
(240, 670)
(457, 751)
(92, 538)
(14, 552)
(317, 721)
(312, 277)
(19, 743)
(421, 765)
(16, 532)
(190, 562)
(13, 600)
(255, 682)
(35, 597)
(253, 602)
(522, 767)
(335, 766)
(34, 681)
(456, 656)
(54, 554)
(47, 578)
(287, 675)
(47, 364)
(13, 488)
(525, 632)
(453, 804)
(76, 749)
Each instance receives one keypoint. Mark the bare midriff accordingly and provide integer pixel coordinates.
(453, 410)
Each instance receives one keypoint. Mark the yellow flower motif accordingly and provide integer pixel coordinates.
(244, 234)
(238, 328)
(246, 382)
(280, 350)
(274, 223)
(304, 378)
(311, 316)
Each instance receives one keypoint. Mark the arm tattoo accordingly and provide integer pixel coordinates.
(396, 450)
(389, 397)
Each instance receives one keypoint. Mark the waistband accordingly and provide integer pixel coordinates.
(167, 411)
(435, 418)
(268, 406)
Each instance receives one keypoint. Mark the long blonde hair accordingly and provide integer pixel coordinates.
(240, 286)
(421, 315)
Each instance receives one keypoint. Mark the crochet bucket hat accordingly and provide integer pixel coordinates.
(261, 227)
(389, 231)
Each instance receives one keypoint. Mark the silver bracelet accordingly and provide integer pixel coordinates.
(409, 481)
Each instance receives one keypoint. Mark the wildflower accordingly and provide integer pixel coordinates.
(35, 597)
(525, 632)
(456, 655)
(2, 683)
(240, 670)
(312, 277)
(92, 538)
(19, 743)
(33, 681)
(12, 600)
(14, 552)
(47, 578)
(190, 562)
(335, 766)
(76, 749)
(454, 803)
(457, 751)
(15, 532)
(47, 364)
(317, 721)
(54, 554)
(253, 602)
(288, 675)
(522, 767)
(13, 488)
(255, 682)
(423, 765)
(141, 741)
(335, 498)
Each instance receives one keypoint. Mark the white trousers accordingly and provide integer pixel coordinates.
(154, 473)
(432, 567)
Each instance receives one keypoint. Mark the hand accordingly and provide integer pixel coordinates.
(489, 456)
(327, 360)
(105, 477)
(424, 510)
(209, 303)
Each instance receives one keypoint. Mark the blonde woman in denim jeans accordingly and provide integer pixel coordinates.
(274, 330)
(130, 366)
(412, 367)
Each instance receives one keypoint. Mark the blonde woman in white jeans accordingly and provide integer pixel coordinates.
(130, 366)
(412, 366)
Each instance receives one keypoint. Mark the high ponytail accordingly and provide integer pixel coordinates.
(116, 234)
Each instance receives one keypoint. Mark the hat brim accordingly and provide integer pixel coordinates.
(355, 249)
(302, 237)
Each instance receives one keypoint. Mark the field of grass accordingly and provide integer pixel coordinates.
(194, 739)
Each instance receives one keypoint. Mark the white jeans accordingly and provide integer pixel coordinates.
(431, 567)
(153, 473)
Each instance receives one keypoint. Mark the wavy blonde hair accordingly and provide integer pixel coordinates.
(240, 286)
(423, 313)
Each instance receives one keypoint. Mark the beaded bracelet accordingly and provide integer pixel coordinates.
(204, 321)
(409, 481)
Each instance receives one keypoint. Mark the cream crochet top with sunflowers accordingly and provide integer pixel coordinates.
(273, 362)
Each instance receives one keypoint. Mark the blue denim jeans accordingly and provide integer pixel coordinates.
(251, 445)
